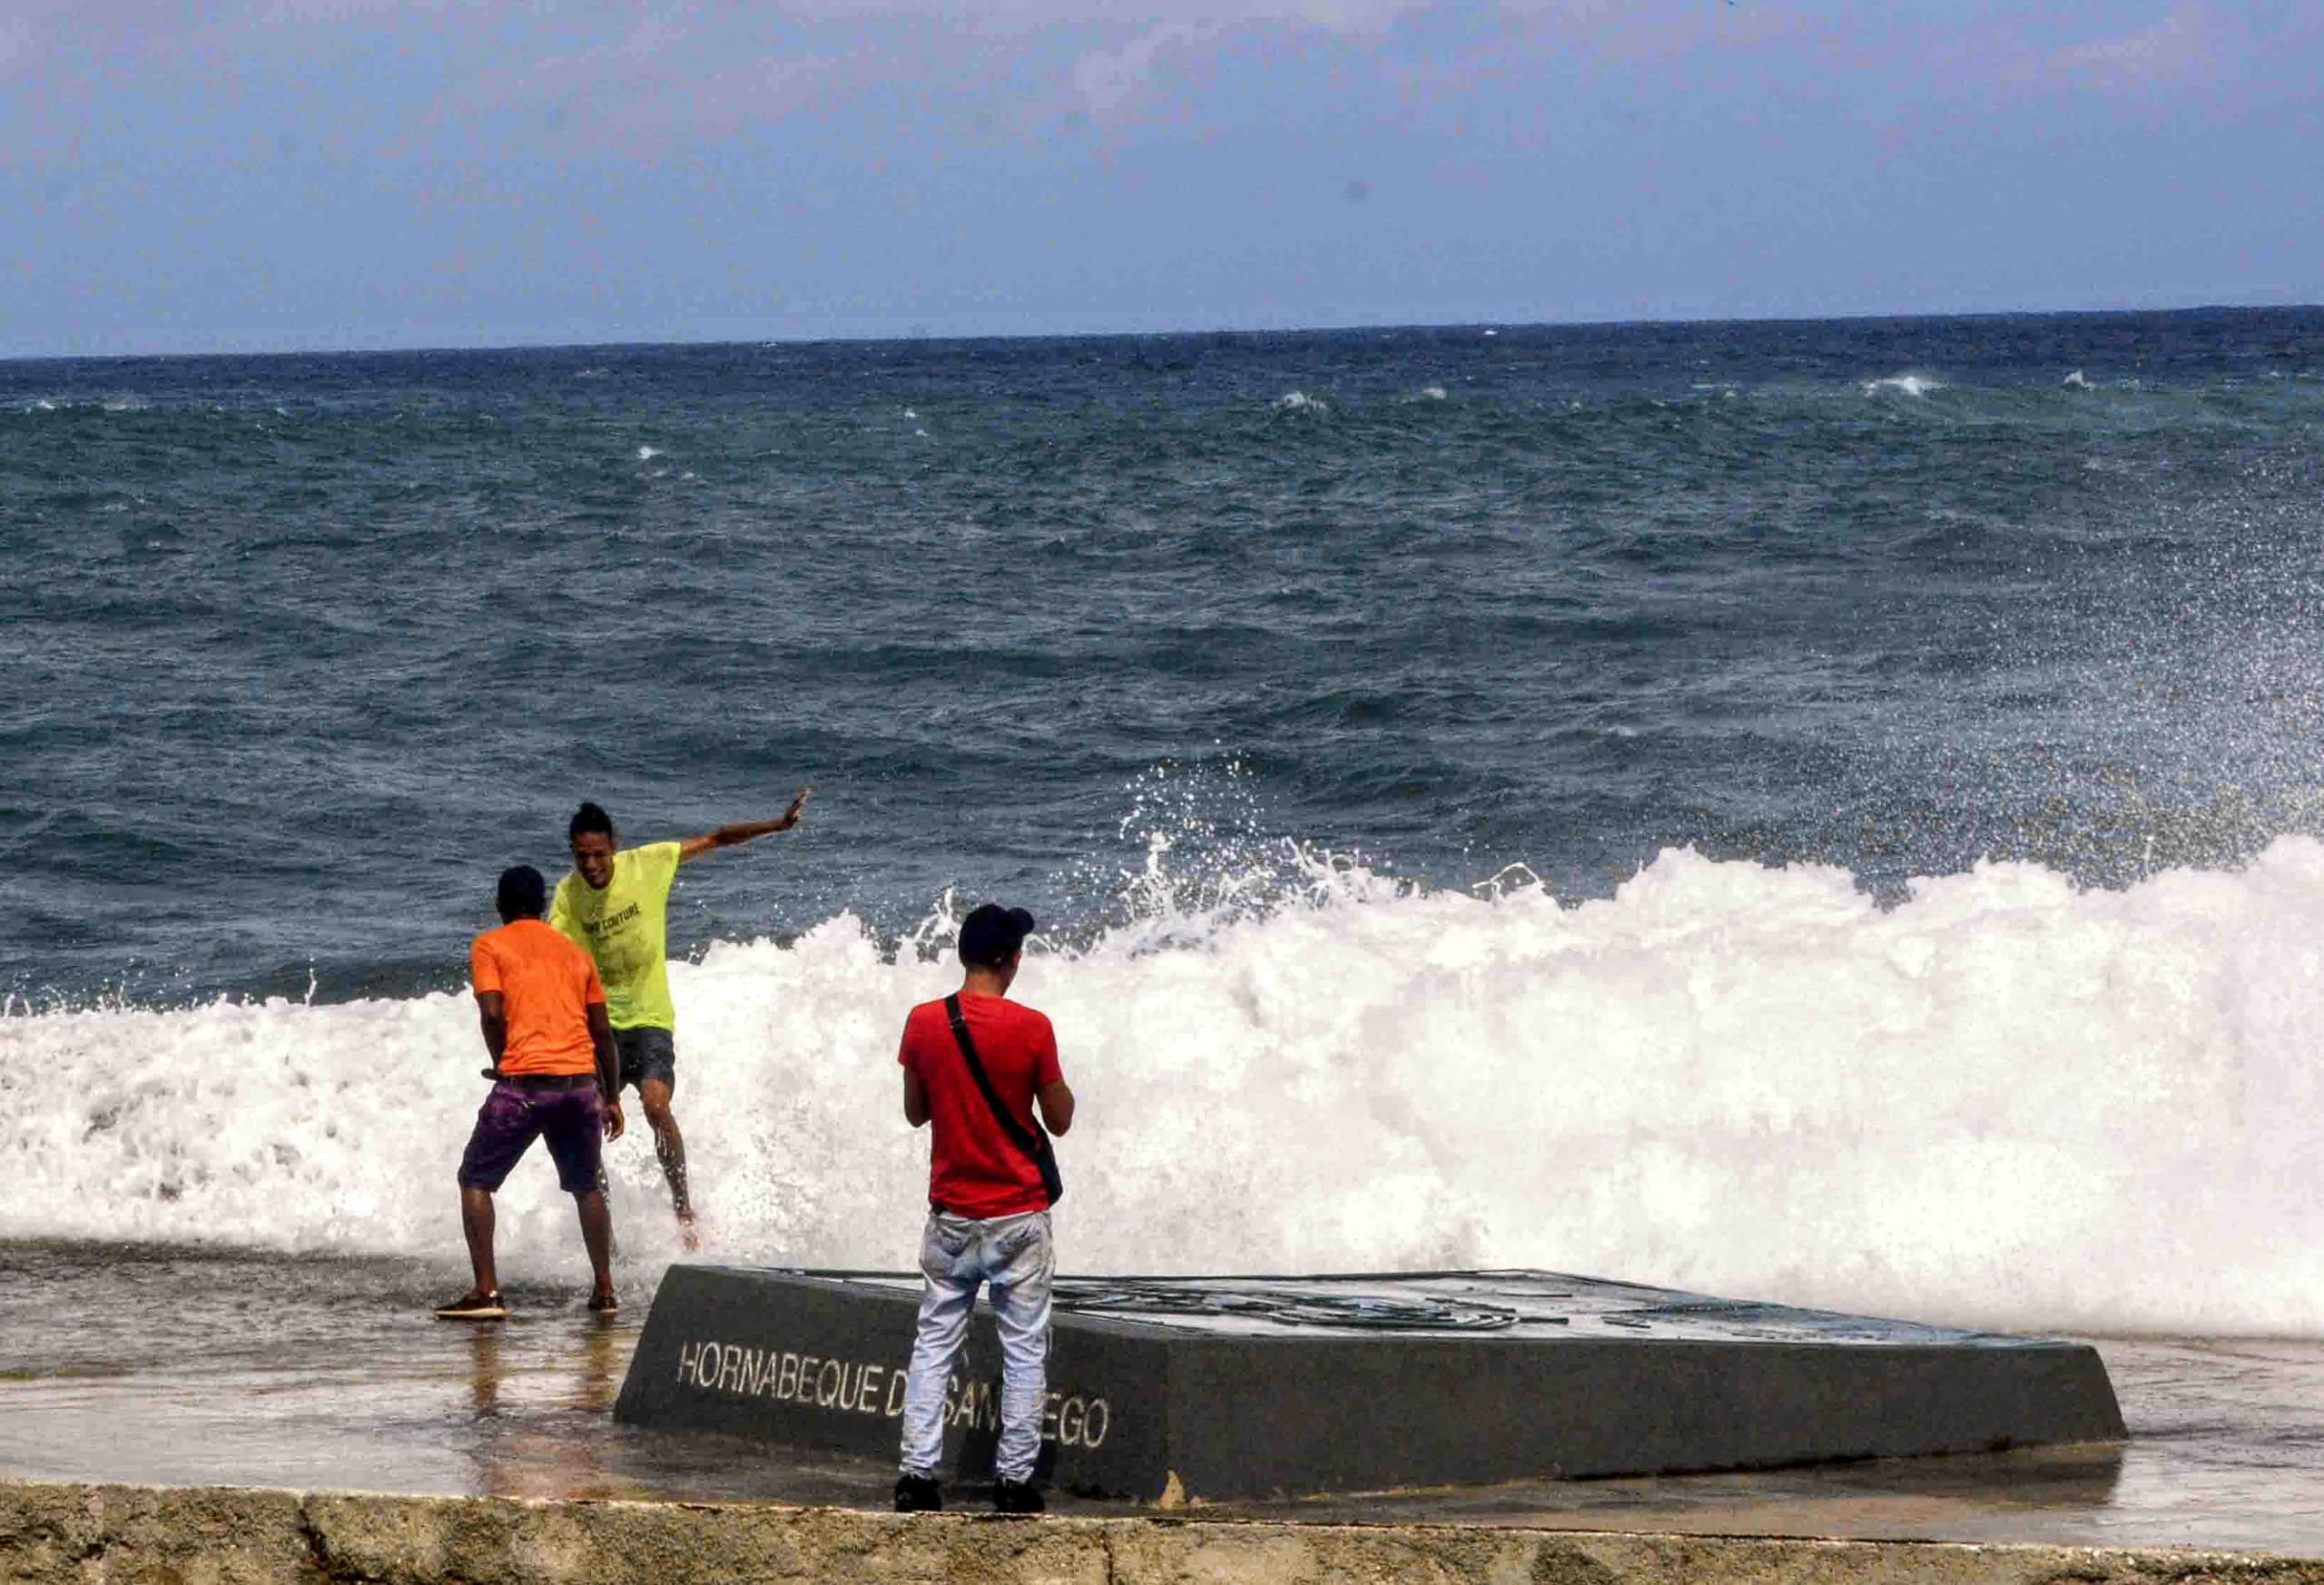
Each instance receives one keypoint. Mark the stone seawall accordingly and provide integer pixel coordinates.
(117, 1535)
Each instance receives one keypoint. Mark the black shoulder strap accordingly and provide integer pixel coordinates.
(1034, 1143)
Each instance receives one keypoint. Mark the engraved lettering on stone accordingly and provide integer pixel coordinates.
(862, 1387)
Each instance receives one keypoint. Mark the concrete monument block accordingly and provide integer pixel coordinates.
(1246, 1386)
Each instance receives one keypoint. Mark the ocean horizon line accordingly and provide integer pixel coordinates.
(921, 333)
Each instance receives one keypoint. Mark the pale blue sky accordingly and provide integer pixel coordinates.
(259, 174)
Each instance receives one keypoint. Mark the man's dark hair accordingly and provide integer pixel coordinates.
(589, 817)
(523, 893)
(991, 935)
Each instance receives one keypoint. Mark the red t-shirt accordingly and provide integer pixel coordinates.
(974, 1168)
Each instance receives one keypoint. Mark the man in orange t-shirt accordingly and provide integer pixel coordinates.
(554, 1064)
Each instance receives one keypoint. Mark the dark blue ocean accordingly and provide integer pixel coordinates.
(299, 651)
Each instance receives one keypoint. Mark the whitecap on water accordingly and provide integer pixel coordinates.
(1910, 385)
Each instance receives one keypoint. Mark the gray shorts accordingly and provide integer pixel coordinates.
(646, 1053)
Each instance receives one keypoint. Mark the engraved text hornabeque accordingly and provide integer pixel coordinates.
(859, 1387)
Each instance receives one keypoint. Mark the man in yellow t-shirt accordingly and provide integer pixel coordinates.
(615, 905)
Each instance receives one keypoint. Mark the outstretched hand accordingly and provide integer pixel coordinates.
(728, 836)
(798, 810)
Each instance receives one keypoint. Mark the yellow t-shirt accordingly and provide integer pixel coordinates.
(624, 931)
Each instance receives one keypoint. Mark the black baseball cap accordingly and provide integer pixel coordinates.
(991, 934)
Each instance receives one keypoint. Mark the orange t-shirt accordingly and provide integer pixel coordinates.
(546, 987)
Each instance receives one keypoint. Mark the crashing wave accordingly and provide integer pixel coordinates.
(2005, 1102)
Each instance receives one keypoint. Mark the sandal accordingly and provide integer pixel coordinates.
(473, 1307)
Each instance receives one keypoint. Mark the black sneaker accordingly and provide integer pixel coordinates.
(1017, 1497)
(473, 1307)
(919, 1494)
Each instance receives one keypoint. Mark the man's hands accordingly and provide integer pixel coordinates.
(615, 1122)
(798, 810)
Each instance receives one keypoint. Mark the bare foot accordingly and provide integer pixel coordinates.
(688, 1234)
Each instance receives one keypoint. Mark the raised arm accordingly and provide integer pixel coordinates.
(742, 831)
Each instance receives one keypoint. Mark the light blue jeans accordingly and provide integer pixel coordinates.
(1011, 1255)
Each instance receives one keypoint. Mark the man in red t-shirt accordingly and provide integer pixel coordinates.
(990, 1183)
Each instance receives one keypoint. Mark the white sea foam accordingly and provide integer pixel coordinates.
(1433, 393)
(2077, 380)
(1299, 401)
(2005, 1102)
(1910, 385)
(647, 453)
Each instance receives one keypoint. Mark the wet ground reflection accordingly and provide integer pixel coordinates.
(172, 1367)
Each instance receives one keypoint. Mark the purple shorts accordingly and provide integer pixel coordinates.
(512, 1116)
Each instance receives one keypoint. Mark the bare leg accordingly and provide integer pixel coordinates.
(597, 1235)
(606, 1188)
(671, 1146)
(476, 1221)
